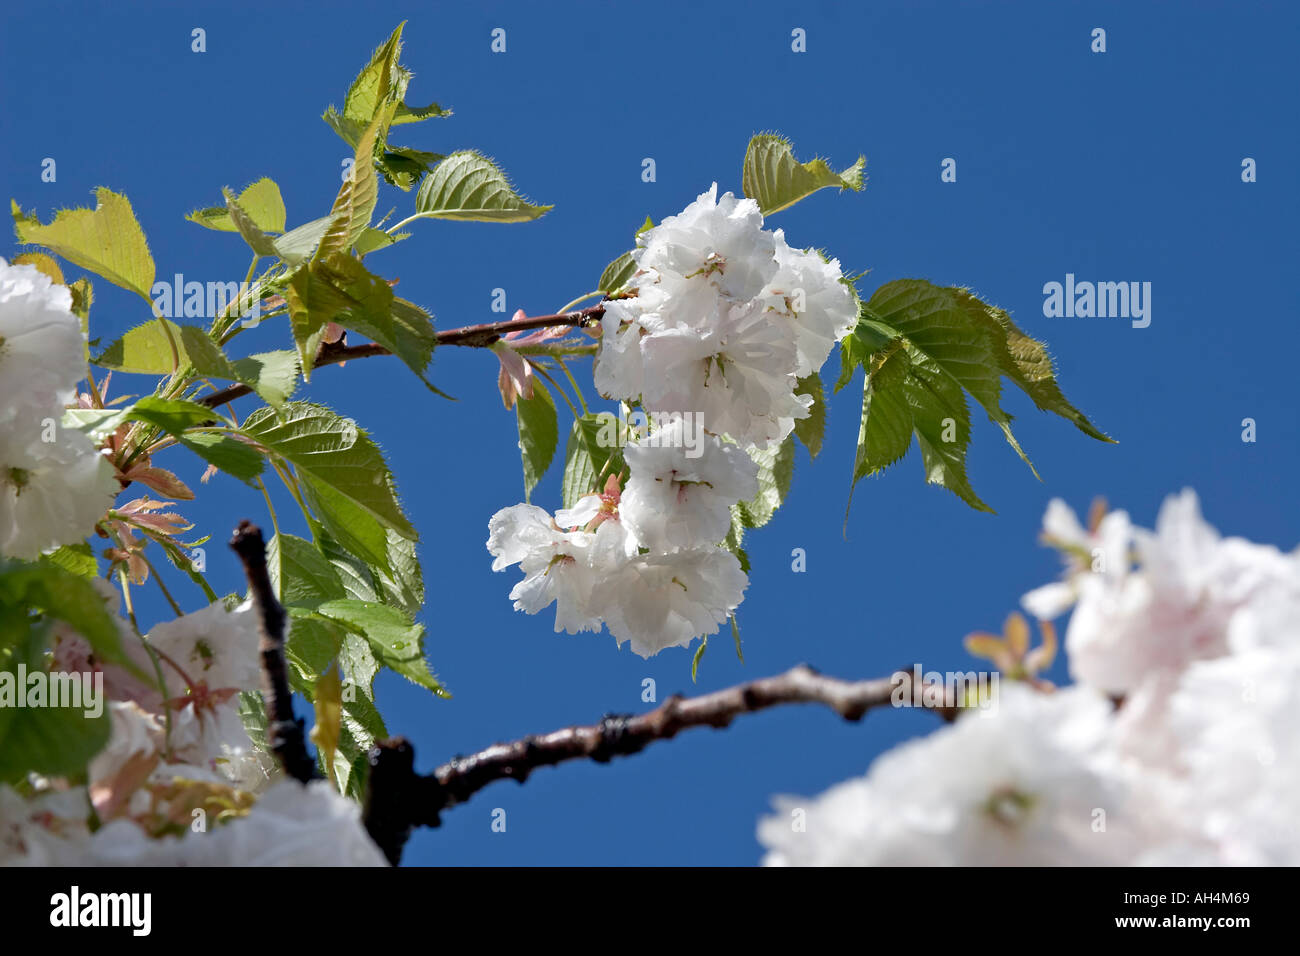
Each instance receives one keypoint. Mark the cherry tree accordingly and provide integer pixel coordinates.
(705, 346)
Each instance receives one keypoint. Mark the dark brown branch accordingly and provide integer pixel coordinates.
(399, 799)
(284, 734)
(471, 336)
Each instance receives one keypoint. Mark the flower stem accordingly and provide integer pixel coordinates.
(163, 587)
(574, 382)
(580, 299)
(556, 385)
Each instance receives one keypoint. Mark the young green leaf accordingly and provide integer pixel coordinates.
(382, 85)
(395, 639)
(617, 274)
(812, 430)
(469, 186)
(340, 289)
(400, 584)
(336, 459)
(300, 573)
(261, 202)
(48, 740)
(924, 347)
(175, 417)
(313, 642)
(248, 228)
(538, 435)
(775, 470)
(106, 240)
(300, 242)
(78, 558)
(66, 596)
(774, 179)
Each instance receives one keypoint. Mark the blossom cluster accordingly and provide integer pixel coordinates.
(1177, 743)
(718, 324)
(54, 484)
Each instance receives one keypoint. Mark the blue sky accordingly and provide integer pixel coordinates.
(1122, 166)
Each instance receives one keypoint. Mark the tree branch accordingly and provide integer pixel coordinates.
(470, 336)
(398, 799)
(284, 733)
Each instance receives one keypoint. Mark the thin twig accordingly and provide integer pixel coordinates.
(471, 336)
(399, 799)
(284, 734)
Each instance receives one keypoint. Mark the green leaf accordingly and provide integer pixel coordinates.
(252, 714)
(374, 84)
(78, 558)
(52, 741)
(812, 430)
(172, 415)
(313, 642)
(733, 539)
(954, 330)
(735, 636)
(43, 263)
(381, 87)
(594, 451)
(699, 653)
(249, 231)
(395, 639)
(339, 289)
(107, 240)
(404, 167)
(1032, 371)
(617, 274)
(358, 661)
(297, 244)
(95, 423)
(362, 726)
(68, 597)
(372, 239)
(538, 435)
(341, 465)
(300, 573)
(401, 584)
(775, 470)
(261, 202)
(924, 347)
(272, 375)
(355, 529)
(311, 304)
(469, 186)
(774, 179)
(232, 456)
(355, 203)
(175, 416)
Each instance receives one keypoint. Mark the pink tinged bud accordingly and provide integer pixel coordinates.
(516, 377)
(612, 490)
